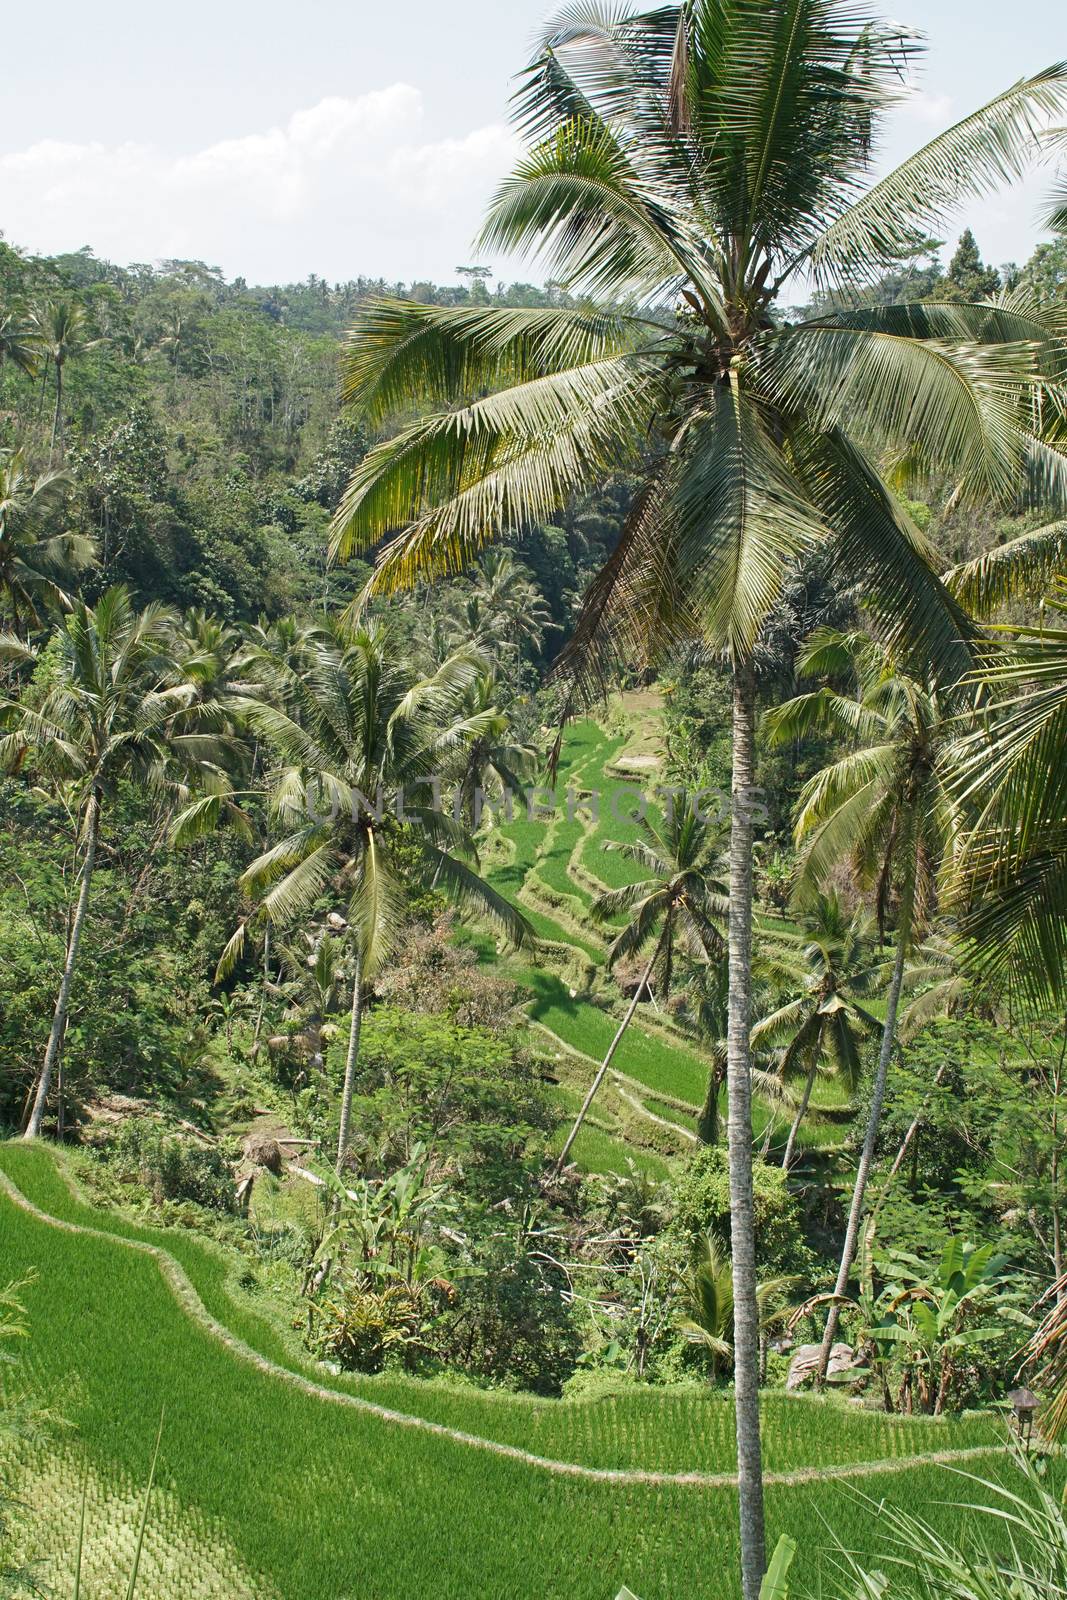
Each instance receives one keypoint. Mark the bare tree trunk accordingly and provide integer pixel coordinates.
(708, 1120)
(874, 1115)
(598, 1079)
(262, 988)
(739, 1132)
(791, 1142)
(350, 1065)
(57, 414)
(59, 1020)
(1057, 1228)
(866, 1264)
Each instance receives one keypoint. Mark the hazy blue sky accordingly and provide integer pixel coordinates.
(275, 139)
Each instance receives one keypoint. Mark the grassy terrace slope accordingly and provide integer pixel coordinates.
(324, 1501)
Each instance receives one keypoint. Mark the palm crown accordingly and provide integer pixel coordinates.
(107, 711)
(893, 784)
(1011, 776)
(683, 898)
(822, 1024)
(685, 164)
(357, 747)
(37, 556)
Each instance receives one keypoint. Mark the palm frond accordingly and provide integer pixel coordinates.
(401, 351)
(577, 200)
(994, 145)
(953, 404)
(822, 712)
(879, 549)
(454, 480)
(1019, 569)
(738, 519)
(472, 893)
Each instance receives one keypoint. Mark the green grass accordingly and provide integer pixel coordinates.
(668, 1068)
(324, 1502)
(553, 865)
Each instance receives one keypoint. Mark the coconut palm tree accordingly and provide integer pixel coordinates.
(19, 343)
(685, 164)
(211, 656)
(105, 716)
(492, 759)
(821, 1027)
(36, 560)
(61, 328)
(357, 740)
(682, 902)
(708, 1304)
(1010, 882)
(513, 607)
(704, 1014)
(283, 649)
(315, 987)
(708, 1301)
(887, 807)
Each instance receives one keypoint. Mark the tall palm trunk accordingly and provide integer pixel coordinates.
(57, 415)
(739, 1134)
(262, 988)
(874, 1115)
(867, 1252)
(59, 1019)
(350, 1064)
(791, 1142)
(598, 1079)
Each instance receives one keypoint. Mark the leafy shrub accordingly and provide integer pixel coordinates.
(173, 1167)
(471, 1092)
(361, 1324)
(702, 1207)
(432, 974)
(511, 1324)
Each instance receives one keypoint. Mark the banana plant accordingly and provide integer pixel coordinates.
(385, 1227)
(937, 1321)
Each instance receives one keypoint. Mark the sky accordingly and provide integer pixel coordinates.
(342, 138)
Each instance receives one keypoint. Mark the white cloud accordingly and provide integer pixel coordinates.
(934, 110)
(343, 187)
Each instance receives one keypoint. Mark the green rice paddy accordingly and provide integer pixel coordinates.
(313, 1499)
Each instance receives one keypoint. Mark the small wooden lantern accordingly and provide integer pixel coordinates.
(1024, 1403)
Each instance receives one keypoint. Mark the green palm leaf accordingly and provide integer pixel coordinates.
(993, 146)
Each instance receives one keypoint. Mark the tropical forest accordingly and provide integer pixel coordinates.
(533, 868)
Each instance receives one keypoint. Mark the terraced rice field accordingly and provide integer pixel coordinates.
(275, 1472)
(554, 868)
